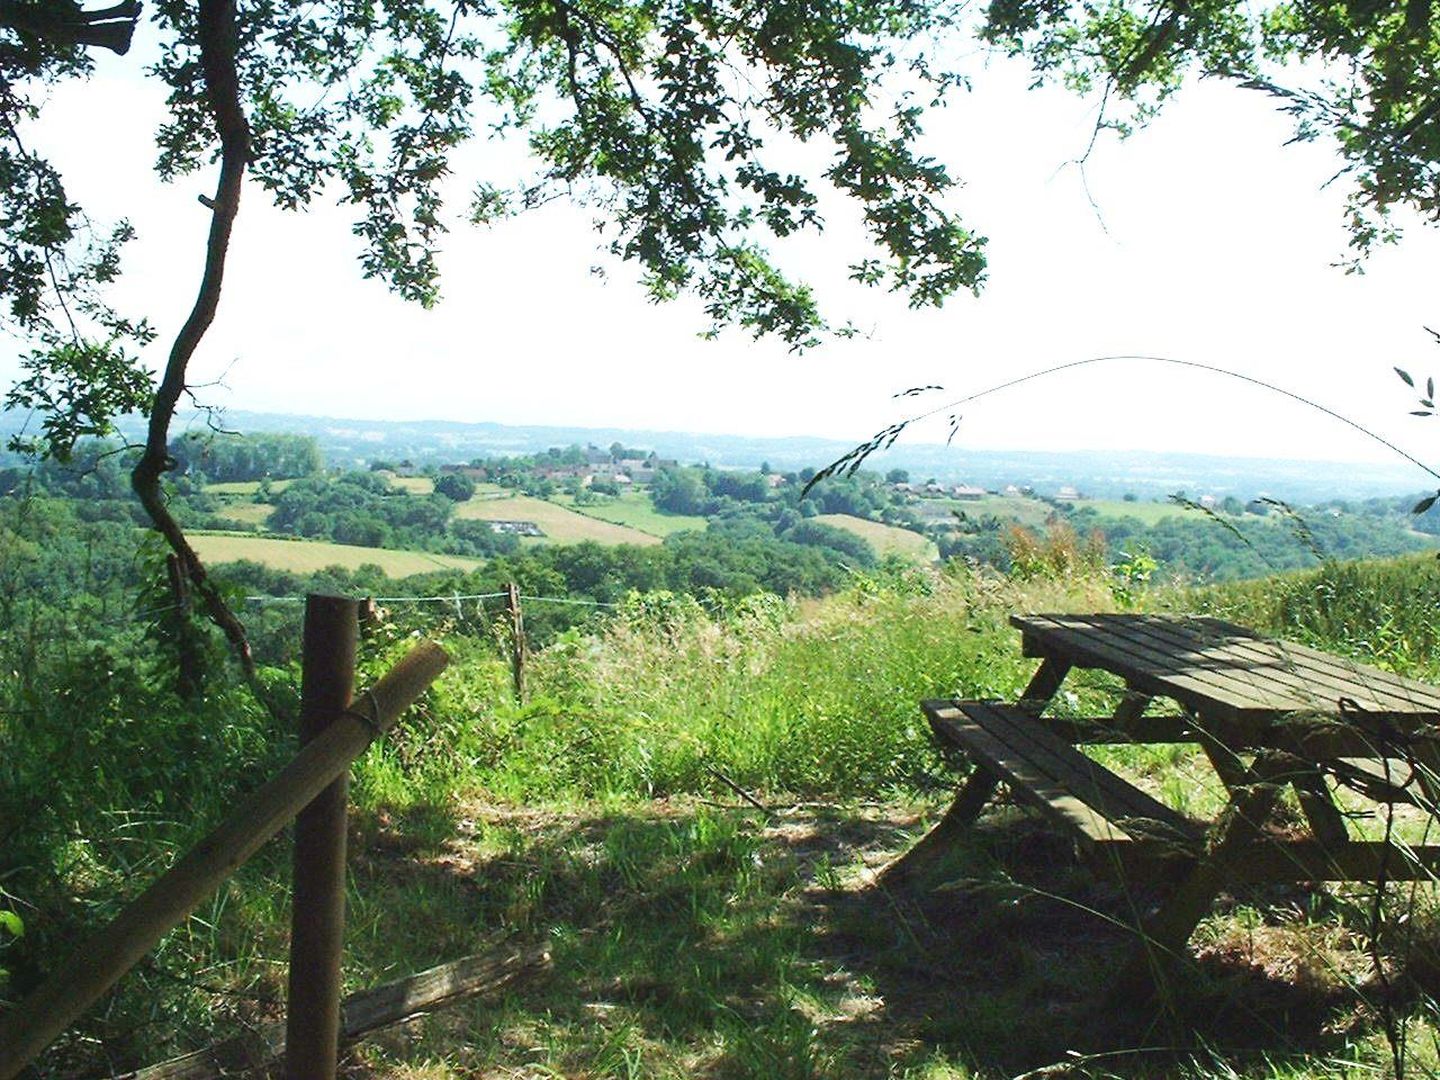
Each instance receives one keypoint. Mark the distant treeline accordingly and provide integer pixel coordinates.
(225, 458)
(101, 468)
(1216, 545)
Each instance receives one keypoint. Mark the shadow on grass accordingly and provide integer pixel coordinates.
(694, 941)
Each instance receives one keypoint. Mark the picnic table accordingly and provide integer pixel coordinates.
(1268, 714)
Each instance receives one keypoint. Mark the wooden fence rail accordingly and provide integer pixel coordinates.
(99, 963)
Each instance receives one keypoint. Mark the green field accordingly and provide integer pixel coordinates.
(308, 556)
(560, 524)
(413, 485)
(247, 512)
(245, 487)
(635, 510)
(885, 539)
(1031, 512)
(1147, 512)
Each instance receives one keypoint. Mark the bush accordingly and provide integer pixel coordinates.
(456, 487)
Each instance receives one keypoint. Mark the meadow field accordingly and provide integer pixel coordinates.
(560, 524)
(308, 556)
(885, 539)
(635, 510)
(244, 488)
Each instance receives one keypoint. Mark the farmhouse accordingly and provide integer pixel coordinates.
(517, 528)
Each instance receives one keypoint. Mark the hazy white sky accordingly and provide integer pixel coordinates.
(1208, 241)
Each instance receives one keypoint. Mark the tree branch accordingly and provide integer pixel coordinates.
(217, 38)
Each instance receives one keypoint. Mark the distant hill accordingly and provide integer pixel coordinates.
(1103, 474)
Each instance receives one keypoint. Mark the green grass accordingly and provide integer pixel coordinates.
(1386, 613)
(1029, 512)
(636, 510)
(560, 525)
(308, 556)
(886, 539)
(695, 935)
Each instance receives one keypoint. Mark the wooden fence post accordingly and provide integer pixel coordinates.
(517, 640)
(317, 918)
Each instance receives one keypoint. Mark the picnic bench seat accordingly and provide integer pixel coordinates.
(1116, 824)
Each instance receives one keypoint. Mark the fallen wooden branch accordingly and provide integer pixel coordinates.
(361, 1013)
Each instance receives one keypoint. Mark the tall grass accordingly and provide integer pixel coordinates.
(1383, 612)
(668, 698)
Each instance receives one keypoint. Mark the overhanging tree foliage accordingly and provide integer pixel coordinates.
(1363, 72)
(662, 115)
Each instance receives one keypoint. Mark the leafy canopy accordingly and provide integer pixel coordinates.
(1362, 72)
(668, 116)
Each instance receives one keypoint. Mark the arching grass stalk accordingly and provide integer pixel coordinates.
(850, 462)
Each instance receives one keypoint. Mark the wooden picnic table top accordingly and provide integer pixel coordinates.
(1224, 671)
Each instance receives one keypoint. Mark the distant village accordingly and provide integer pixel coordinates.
(611, 470)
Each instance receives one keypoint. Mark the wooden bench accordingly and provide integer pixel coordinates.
(1117, 826)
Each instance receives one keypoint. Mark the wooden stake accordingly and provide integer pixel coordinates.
(517, 640)
(98, 964)
(317, 926)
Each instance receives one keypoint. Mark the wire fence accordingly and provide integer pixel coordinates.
(447, 598)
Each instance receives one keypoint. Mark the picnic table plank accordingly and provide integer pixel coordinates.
(1242, 667)
(1406, 691)
(1142, 669)
(1224, 674)
(1302, 670)
(1361, 734)
(1029, 784)
(1338, 731)
(1242, 675)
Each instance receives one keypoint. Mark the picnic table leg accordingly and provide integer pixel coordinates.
(1043, 684)
(976, 792)
(1132, 706)
(969, 801)
(1164, 934)
(1232, 771)
(1425, 755)
(1326, 821)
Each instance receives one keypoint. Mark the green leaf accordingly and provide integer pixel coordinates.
(12, 923)
(1406, 376)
